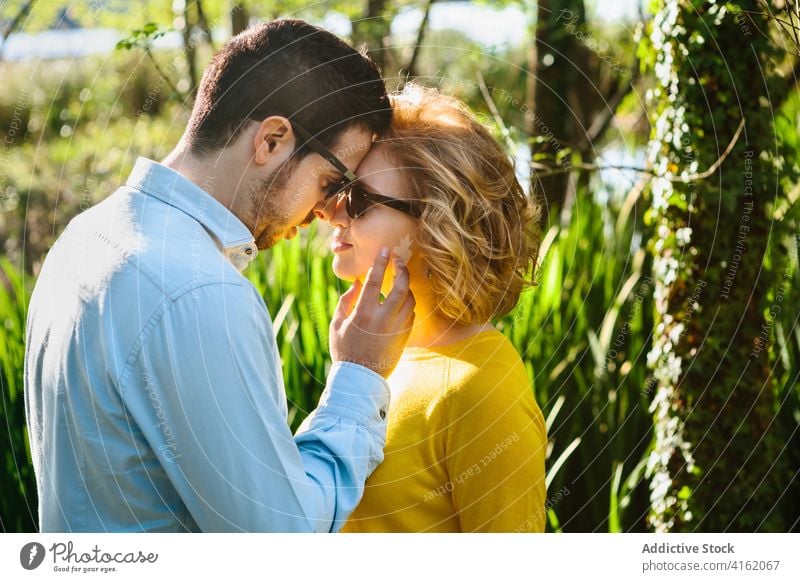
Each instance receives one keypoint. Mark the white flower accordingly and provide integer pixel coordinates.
(683, 235)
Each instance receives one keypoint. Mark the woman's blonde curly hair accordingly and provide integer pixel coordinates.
(478, 230)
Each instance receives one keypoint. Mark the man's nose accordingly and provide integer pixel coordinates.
(322, 209)
(328, 210)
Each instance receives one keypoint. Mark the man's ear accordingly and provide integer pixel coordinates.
(274, 140)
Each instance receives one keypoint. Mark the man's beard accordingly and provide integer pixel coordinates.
(270, 206)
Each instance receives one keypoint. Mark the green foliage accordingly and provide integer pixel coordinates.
(80, 128)
(583, 332)
(143, 37)
(18, 502)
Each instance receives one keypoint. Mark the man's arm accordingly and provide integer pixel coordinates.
(206, 389)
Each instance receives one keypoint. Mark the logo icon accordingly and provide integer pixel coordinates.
(403, 250)
(31, 555)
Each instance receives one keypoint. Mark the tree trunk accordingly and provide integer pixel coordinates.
(203, 22)
(565, 97)
(532, 65)
(411, 68)
(552, 124)
(373, 29)
(239, 18)
(573, 90)
(717, 463)
(189, 49)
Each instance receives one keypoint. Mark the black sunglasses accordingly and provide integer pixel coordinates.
(348, 176)
(358, 200)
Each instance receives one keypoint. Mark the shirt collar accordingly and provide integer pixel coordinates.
(234, 239)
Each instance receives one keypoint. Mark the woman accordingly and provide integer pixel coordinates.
(466, 440)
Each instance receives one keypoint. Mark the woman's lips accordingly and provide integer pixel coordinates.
(338, 246)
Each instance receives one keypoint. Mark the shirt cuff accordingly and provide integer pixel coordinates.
(355, 392)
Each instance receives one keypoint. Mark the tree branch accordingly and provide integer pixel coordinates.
(412, 64)
(543, 170)
(163, 75)
(14, 23)
(494, 111)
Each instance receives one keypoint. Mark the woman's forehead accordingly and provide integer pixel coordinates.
(377, 170)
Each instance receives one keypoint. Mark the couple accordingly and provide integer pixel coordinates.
(153, 385)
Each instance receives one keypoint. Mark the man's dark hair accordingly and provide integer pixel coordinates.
(292, 69)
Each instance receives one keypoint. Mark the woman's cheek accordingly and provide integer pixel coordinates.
(368, 236)
(383, 230)
(353, 263)
(341, 270)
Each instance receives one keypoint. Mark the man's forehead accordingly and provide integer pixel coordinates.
(351, 147)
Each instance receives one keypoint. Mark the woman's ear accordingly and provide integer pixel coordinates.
(274, 141)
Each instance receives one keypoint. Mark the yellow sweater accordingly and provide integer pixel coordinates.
(465, 446)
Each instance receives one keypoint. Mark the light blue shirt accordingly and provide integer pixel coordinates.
(153, 385)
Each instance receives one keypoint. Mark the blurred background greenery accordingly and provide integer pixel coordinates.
(574, 90)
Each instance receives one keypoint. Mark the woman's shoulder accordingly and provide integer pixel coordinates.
(490, 364)
(491, 390)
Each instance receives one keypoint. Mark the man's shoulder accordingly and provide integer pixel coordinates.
(159, 246)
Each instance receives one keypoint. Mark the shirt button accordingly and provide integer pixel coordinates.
(383, 414)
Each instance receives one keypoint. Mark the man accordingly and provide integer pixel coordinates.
(153, 389)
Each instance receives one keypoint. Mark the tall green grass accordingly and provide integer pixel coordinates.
(584, 332)
(18, 503)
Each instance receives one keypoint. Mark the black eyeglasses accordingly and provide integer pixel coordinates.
(359, 200)
(348, 176)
